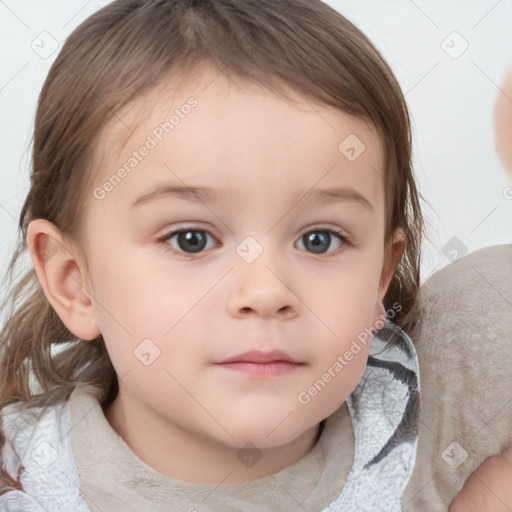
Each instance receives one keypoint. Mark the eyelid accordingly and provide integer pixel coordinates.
(325, 227)
(180, 228)
(314, 227)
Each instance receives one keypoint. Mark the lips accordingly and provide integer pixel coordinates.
(256, 356)
(260, 365)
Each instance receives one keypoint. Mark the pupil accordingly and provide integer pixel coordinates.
(193, 239)
(318, 239)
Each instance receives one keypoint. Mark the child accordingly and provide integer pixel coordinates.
(228, 375)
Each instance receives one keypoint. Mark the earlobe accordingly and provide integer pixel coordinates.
(61, 278)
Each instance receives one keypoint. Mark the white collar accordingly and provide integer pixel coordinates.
(385, 408)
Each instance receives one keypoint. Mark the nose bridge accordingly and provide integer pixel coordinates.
(260, 282)
(258, 262)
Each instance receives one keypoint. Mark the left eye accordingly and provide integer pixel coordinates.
(320, 240)
(193, 241)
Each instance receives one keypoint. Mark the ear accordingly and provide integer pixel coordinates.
(392, 256)
(61, 278)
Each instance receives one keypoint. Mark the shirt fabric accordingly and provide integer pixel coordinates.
(71, 459)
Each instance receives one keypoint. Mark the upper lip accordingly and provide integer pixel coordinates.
(257, 356)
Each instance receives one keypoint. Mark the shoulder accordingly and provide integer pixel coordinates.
(32, 437)
(36, 459)
(464, 350)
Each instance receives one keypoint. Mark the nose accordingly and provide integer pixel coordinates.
(262, 289)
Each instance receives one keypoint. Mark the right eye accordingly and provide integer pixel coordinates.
(187, 240)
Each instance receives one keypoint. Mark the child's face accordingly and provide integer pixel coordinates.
(257, 285)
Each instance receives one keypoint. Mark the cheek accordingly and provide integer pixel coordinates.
(149, 316)
(346, 301)
(341, 350)
(335, 379)
(346, 308)
(129, 307)
(137, 298)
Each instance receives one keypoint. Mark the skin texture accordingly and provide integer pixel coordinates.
(488, 488)
(503, 122)
(201, 309)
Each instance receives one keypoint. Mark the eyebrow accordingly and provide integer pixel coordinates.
(209, 195)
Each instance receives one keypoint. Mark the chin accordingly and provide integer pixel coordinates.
(263, 435)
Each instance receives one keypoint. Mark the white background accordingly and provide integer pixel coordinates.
(451, 102)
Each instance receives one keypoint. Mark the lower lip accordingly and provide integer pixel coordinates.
(271, 369)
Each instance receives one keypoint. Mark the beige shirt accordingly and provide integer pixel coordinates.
(311, 483)
(464, 347)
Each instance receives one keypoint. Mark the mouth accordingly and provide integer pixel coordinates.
(261, 364)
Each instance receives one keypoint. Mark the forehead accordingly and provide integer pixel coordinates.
(206, 130)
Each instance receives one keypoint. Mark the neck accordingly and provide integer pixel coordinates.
(180, 454)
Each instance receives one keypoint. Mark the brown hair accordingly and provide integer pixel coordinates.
(127, 49)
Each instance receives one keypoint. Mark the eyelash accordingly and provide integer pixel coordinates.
(346, 241)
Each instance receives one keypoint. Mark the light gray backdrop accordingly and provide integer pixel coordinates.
(449, 56)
